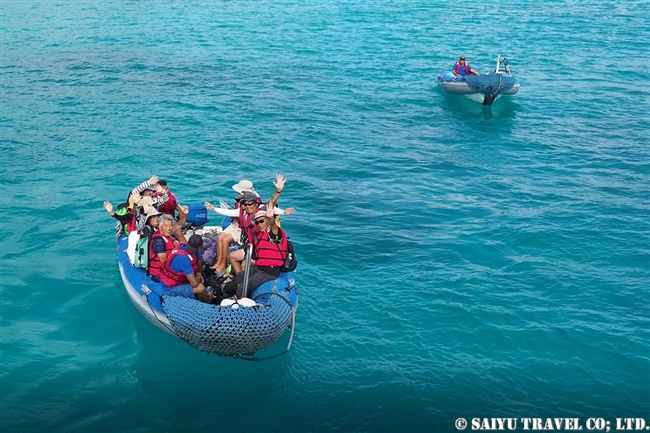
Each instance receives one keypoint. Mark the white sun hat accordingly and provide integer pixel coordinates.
(244, 186)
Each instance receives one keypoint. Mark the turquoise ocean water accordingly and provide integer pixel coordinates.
(456, 260)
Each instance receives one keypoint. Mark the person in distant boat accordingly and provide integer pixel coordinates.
(269, 251)
(462, 68)
(248, 205)
(181, 275)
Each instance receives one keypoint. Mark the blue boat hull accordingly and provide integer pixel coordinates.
(462, 86)
(228, 330)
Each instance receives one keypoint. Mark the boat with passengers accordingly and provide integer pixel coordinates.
(491, 86)
(235, 328)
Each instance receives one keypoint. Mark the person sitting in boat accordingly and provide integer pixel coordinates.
(164, 230)
(462, 68)
(149, 187)
(169, 206)
(123, 215)
(162, 243)
(248, 205)
(181, 275)
(238, 256)
(230, 237)
(148, 193)
(242, 188)
(152, 218)
(269, 251)
(131, 214)
(144, 206)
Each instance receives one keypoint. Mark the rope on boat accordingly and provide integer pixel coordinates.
(490, 85)
(146, 289)
(292, 326)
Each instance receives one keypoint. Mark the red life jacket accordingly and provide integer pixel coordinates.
(171, 278)
(465, 66)
(245, 225)
(155, 266)
(168, 207)
(132, 225)
(268, 253)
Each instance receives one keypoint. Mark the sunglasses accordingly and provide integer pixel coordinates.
(260, 221)
(248, 203)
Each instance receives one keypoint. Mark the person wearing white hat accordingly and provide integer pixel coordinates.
(144, 209)
(249, 202)
(152, 216)
(270, 249)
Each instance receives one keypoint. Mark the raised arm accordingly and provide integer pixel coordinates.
(123, 218)
(279, 186)
(233, 213)
(273, 224)
(162, 197)
(182, 217)
(153, 180)
(287, 211)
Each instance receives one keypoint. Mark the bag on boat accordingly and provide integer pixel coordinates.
(197, 214)
(290, 262)
(209, 250)
(141, 256)
(217, 283)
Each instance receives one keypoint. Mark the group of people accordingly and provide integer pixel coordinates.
(176, 263)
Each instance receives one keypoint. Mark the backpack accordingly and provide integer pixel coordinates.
(290, 262)
(123, 209)
(209, 250)
(141, 256)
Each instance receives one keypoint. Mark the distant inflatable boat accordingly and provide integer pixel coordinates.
(501, 82)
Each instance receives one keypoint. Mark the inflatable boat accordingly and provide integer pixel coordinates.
(500, 82)
(240, 329)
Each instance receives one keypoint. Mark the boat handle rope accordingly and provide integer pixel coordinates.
(293, 329)
(146, 292)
